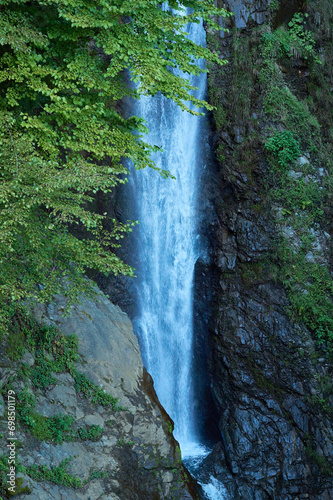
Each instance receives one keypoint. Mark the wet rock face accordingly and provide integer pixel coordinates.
(264, 372)
(267, 375)
(248, 10)
(136, 456)
(264, 379)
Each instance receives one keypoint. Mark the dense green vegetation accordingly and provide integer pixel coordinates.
(297, 189)
(62, 75)
(279, 72)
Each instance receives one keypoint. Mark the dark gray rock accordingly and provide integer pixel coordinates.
(266, 378)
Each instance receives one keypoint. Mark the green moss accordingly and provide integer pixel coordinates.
(169, 427)
(4, 470)
(16, 345)
(178, 455)
(324, 465)
(19, 489)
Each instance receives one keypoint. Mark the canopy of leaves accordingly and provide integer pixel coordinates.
(63, 69)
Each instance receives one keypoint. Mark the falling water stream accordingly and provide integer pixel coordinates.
(167, 247)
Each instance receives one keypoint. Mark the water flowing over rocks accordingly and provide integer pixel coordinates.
(269, 381)
(167, 245)
(136, 452)
(270, 413)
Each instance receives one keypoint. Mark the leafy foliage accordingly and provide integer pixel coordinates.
(96, 474)
(53, 353)
(57, 475)
(279, 102)
(62, 138)
(123, 442)
(93, 392)
(4, 469)
(91, 433)
(296, 149)
(285, 147)
(56, 429)
(274, 5)
(301, 195)
(310, 289)
(301, 39)
(25, 405)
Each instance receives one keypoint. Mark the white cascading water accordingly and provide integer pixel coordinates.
(167, 248)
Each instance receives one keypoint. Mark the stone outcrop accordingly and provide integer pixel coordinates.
(136, 456)
(271, 381)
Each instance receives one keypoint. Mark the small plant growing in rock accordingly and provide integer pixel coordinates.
(301, 40)
(93, 392)
(57, 475)
(91, 433)
(274, 5)
(98, 474)
(123, 442)
(285, 148)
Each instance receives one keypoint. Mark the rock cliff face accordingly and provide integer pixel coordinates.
(270, 369)
(124, 451)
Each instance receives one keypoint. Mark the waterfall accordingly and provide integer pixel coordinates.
(166, 248)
